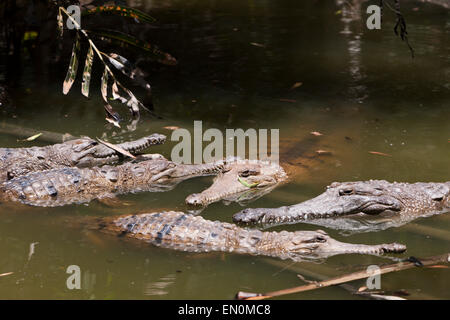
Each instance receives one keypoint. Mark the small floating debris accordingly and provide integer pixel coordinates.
(316, 133)
(171, 128)
(256, 44)
(6, 274)
(363, 288)
(111, 115)
(32, 138)
(32, 247)
(380, 153)
(296, 85)
(324, 152)
(438, 266)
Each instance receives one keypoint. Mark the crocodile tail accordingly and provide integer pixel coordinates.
(133, 147)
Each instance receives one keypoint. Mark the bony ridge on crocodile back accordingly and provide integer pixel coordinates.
(83, 152)
(179, 231)
(398, 201)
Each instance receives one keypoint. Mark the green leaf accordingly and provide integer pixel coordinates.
(112, 116)
(73, 66)
(33, 137)
(245, 183)
(122, 11)
(87, 72)
(153, 51)
(104, 85)
(127, 68)
(30, 35)
(121, 63)
(115, 93)
(60, 23)
(134, 103)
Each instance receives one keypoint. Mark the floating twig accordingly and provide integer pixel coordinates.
(380, 153)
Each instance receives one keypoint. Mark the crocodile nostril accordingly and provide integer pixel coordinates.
(193, 200)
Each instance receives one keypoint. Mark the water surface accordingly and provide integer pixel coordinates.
(237, 63)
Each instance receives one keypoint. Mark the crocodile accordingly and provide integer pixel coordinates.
(186, 232)
(243, 182)
(82, 152)
(397, 202)
(58, 187)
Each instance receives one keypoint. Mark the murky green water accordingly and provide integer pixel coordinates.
(237, 63)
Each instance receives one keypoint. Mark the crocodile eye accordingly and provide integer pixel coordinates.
(244, 173)
(9, 175)
(320, 239)
(346, 192)
(316, 239)
(247, 172)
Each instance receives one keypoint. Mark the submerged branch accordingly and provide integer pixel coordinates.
(404, 265)
(23, 132)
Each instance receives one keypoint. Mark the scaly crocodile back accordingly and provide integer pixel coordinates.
(186, 232)
(49, 188)
(83, 152)
(64, 186)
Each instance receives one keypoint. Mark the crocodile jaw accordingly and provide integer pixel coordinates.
(320, 245)
(334, 247)
(310, 245)
(327, 205)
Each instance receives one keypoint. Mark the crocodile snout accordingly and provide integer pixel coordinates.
(393, 247)
(194, 200)
(249, 216)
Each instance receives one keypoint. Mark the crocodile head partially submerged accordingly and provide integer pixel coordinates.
(83, 152)
(186, 232)
(305, 245)
(241, 180)
(374, 197)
